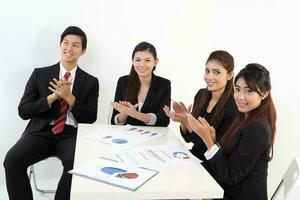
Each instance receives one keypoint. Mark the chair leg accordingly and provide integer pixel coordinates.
(32, 173)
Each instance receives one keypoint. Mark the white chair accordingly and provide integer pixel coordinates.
(32, 174)
(289, 179)
(110, 111)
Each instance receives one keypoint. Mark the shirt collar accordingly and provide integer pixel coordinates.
(62, 72)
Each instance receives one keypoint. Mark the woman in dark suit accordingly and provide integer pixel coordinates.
(240, 161)
(141, 95)
(215, 102)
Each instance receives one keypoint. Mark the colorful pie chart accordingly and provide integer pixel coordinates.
(181, 155)
(119, 173)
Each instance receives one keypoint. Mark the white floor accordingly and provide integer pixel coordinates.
(43, 184)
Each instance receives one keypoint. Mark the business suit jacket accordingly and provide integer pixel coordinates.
(230, 112)
(34, 106)
(159, 94)
(243, 173)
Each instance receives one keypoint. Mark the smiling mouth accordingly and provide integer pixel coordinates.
(241, 105)
(68, 54)
(210, 84)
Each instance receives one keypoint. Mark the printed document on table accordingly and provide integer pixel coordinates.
(124, 135)
(115, 173)
(155, 155)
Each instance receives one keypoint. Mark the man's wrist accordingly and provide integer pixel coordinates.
(70, 100)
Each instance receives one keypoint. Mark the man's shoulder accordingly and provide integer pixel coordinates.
(86, 74)
(46, 71)
(46, 68)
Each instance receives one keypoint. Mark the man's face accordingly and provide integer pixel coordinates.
(71, 50)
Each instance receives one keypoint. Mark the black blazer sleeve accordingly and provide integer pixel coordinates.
(252, 146)
(32, 102)
(159, 94)
(119, 95)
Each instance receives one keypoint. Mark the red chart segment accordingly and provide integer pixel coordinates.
(128, 175)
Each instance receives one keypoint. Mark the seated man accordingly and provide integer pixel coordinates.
(56, 99)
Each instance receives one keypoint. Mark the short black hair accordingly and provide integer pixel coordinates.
(74, 30)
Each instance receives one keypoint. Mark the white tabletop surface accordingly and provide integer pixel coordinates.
(190, 181)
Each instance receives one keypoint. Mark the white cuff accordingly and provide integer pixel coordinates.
(211, 152)
(116, 120)
(153, 119)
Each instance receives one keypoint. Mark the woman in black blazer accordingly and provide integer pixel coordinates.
(141, 95)
(240, 161)
(215, 102)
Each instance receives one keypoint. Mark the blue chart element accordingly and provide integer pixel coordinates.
(119, 141)
(181, 155)
(112, 170)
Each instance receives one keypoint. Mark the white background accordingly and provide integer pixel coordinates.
(184, 33)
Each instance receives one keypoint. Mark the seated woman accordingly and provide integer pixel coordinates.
(141, 95)
(240, 161)
(215, 103)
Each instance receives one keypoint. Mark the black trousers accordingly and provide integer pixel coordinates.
(32, 148)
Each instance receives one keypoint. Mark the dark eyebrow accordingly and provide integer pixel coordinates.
(213, 69)
(144, 58)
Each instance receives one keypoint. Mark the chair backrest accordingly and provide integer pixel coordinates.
(110, 111)
(288, 181)
(290, 177)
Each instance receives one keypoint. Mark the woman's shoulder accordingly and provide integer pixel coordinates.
(261, 123)
(123, 79)
(201, 92)
(161, 80)
(258, 127)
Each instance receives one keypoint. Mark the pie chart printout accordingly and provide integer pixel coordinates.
(181, 155)
(119, 173)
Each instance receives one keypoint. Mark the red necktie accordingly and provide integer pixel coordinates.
(59, 123)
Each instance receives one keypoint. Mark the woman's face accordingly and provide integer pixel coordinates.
(216, 76)
(245, 98)
(143, 63)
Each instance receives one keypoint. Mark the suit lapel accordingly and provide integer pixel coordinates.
(79, 79)
(55, 72)
(151, 93)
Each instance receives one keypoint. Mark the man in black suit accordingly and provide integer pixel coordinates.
(42, 103)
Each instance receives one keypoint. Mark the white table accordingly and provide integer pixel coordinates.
(173, 182)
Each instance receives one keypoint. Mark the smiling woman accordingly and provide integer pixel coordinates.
(141, 95)
(215, 103)
(240, 162)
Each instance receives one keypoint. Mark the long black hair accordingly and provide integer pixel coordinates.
(133, 83)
